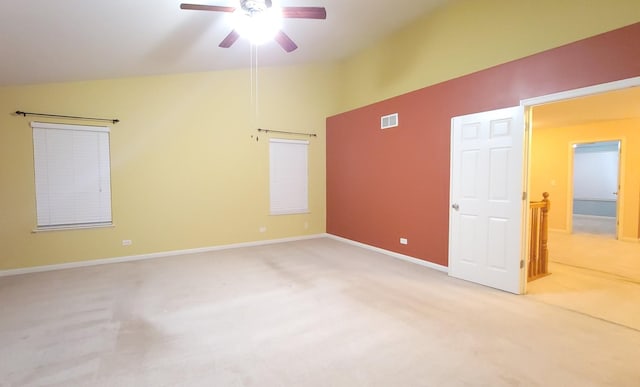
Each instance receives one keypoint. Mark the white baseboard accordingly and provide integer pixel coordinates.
(595, 217)
(393, 254)
(140, 257)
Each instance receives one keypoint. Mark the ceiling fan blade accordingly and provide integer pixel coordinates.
(200, 7)
(230, 39)
(285, 41)
(304, 12)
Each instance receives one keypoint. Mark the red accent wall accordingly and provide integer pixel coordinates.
(386, 184)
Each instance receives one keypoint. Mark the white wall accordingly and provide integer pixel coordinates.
(595, 175)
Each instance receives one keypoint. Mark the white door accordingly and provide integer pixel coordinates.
(485, 222)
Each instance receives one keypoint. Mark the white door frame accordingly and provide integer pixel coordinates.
(528, 104)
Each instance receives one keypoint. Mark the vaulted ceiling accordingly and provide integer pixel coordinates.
(56, 41)
(59, 41)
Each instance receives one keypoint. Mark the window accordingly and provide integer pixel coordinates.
(288, 176)
(72, 175)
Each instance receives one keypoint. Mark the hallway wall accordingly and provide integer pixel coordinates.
(551, 168)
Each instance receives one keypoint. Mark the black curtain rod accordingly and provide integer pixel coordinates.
(112, 120)
(283, 132)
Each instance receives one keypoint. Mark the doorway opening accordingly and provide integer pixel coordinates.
(595, 187)
(582, 150)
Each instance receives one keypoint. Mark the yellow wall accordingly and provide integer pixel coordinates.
(185, 171)
(471, 35)
(551, 155)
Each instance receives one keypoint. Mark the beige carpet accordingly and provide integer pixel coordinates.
(599, 225)
(308, 313)
(592, 274)
(596, 252)
(594, 293)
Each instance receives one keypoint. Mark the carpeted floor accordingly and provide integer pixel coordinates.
(310, 313)
(592, 274)
(598, 225)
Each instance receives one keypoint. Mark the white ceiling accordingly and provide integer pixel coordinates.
(55, 41)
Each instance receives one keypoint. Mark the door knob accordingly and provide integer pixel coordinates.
(455, 206)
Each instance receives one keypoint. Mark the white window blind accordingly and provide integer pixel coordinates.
(72, 175)
(288, 176)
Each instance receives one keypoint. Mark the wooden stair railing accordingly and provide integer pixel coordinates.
(538, 246)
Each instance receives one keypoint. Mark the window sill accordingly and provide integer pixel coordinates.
(290, 213)
(72, 227)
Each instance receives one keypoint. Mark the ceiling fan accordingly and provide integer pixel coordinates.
(254, 10)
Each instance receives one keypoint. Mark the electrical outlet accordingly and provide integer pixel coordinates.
(126, 242)
(306, 225)
(404, 241)
(262, 229)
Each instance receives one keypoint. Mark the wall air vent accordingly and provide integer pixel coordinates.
(389, 121)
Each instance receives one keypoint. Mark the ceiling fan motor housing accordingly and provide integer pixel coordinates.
(254, 6)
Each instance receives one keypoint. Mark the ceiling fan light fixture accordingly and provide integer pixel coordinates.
(258, 27)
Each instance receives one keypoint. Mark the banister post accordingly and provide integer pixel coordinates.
(544, 233)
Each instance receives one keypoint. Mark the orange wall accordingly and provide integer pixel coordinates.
(384, 185)
(551, 165)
